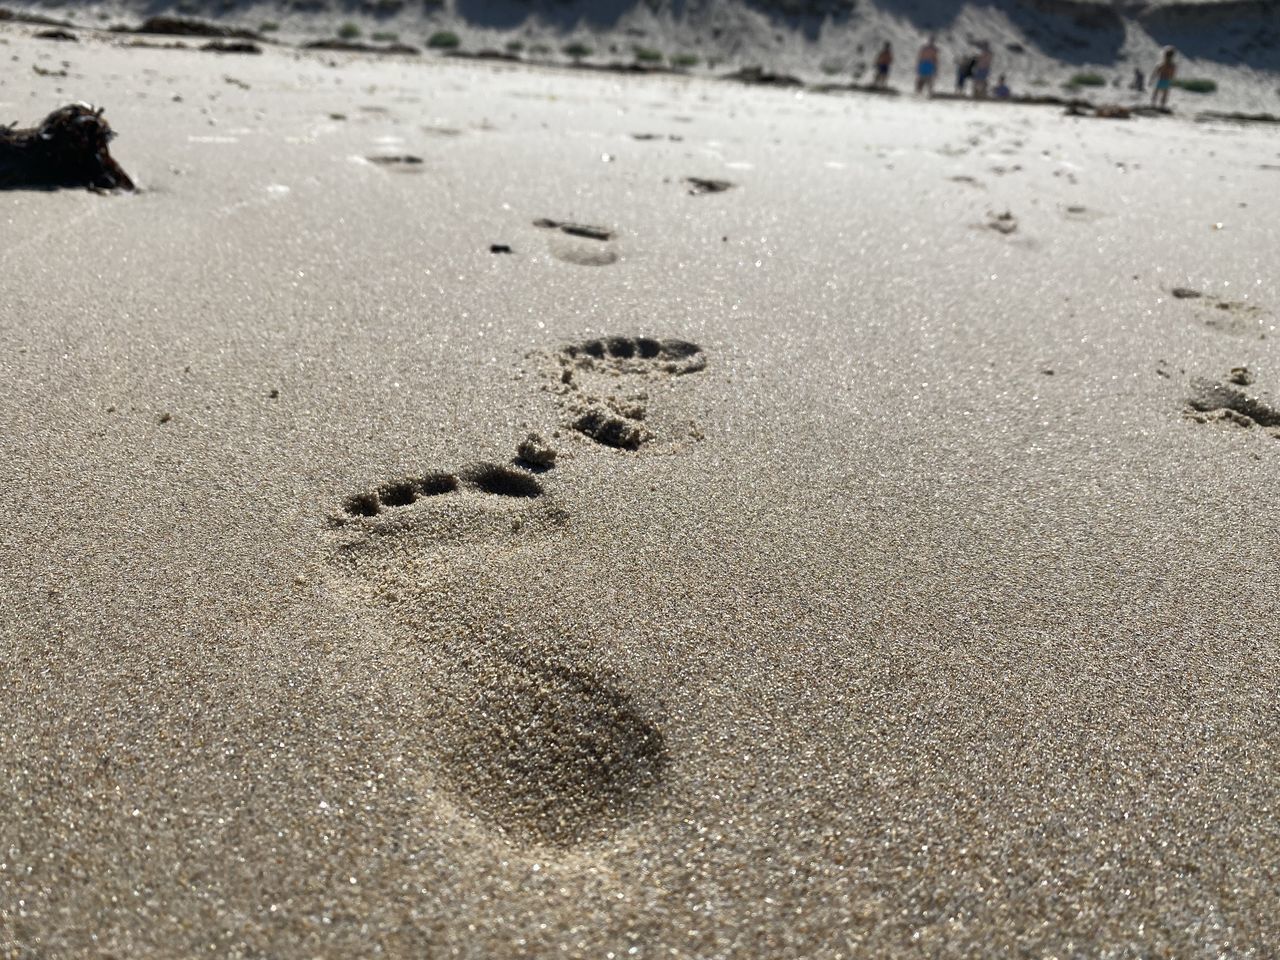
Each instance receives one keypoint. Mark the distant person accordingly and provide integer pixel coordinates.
(1139, 81)
(982, 69)
(1162, 76)
(926, 67)
(884, 60)
(1002, 91)
(964, 70)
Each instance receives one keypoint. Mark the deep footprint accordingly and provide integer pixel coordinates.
(550, 751)
(1214, 400)
(638, 355)
(490, 478)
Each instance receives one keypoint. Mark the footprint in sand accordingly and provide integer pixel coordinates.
(532, 738)
(701, 185)
(402, 163)
(1233, 317)
(570, 248)
(591, 372)
(1226, 401)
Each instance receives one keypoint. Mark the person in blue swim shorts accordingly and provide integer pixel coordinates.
(884, 60)
(926, 67)
(1162, 78)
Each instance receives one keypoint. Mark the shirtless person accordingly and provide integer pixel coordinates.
(884, 60)
(1162, 79)
(926, 67)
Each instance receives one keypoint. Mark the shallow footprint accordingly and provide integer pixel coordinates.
(549, 750)
(591, 371)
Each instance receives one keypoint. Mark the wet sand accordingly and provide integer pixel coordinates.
(932, 613)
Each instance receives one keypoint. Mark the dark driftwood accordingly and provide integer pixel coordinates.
(68, 149)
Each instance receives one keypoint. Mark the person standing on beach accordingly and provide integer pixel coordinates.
(982, 70)
(964, 70)
(926, 67)
(1139, 82)
(884, 60)
(1162, 76)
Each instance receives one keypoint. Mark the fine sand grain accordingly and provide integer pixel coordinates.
(877, 583)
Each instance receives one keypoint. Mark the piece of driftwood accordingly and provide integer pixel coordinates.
(67, 149)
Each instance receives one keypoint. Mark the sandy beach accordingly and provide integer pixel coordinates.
(905, 583)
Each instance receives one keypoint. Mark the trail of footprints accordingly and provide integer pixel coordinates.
(536, 742)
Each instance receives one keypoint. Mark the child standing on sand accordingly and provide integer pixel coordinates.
(884, 60)
(926, 67)
(1162, 76)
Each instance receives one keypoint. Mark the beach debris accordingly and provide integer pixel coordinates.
(1004, 222)
(1106, 111)
(153, 45)
(534, 451)
(57, 34)
(760, 76)
(1186, 293)
(1209, 116)
(190, 27)
(67, 149)
(1240, 376)
(487, 53)
(43, 72)
(700, 185)
(355, 46)
(575, 229)
(1112, 111)
(499, 248)
(232, 46)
